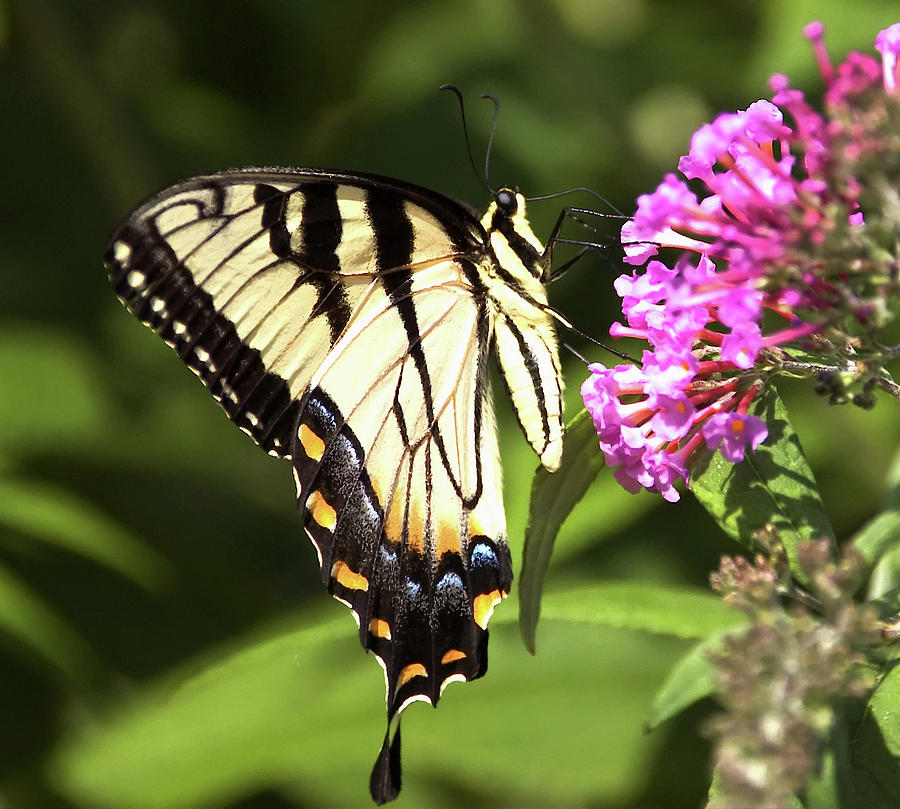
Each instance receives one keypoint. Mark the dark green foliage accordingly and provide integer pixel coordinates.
(164, 637)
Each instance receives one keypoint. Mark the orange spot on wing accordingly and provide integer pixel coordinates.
(393, 520)
(410, 671)
(350, 579)
(312, 444)
(380, 628)
(415, 537)
(448, 540)
(452, 656)
(483, 606)
(321, 511)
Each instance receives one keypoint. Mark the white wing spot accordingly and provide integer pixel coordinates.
(414, 698)
(179, 328)
(135, 279)
(202, 354)
(122, 253)
(252, 419)
(157, 304)
(453, 678)
(229, 393)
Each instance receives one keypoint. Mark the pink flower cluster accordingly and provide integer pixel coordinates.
(755, 274)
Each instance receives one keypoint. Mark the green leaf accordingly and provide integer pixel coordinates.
(61, 519)
(773, 486)
(689, 680)
(240, 721)
(892, 499)
(303, 712)
(552, 498)
(875, 749)
(25, 616)
(861, 761)
(661, 609)
(52, 391)
(823, 790)
(680, 612)
(883, 708)
(878, 541)
(878, 536)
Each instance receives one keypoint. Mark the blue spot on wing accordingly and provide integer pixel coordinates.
(413, 588)
(450, 581)
(483, 556)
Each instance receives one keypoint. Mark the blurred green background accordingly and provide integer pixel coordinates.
(164, 637)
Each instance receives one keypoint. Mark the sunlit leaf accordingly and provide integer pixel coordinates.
(552, 498)
(883, 709)
(892, 501)
(874, 755)
(878, 541)
(878, 536)
(773, 486)
(661, 609)
(688, 681)
(302, 712)
(667, 610)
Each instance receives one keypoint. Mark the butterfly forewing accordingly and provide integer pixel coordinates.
(345, 321)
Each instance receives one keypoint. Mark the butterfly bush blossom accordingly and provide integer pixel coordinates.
(788, 264)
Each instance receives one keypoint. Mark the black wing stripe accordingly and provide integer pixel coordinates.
(534, 373)
(273, 204)
(257, 401)
(394, 240)
(321, 231)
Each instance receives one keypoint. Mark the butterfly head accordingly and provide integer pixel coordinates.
(507, 200)
(511, 235)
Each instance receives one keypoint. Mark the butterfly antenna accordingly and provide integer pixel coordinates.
(487, 154)
(617, 214)
(620, 354)
(462, 114)
(565, 323)
(576, 353)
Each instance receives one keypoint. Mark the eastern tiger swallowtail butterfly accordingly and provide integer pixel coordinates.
(344, 321)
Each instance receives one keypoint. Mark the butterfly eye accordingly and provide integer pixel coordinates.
(506, 201)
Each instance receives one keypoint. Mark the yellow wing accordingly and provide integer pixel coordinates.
(345, 321)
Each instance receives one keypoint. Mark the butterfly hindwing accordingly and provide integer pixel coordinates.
(345, 321)
(399, 481)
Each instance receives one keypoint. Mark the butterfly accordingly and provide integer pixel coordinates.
(345, 321)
